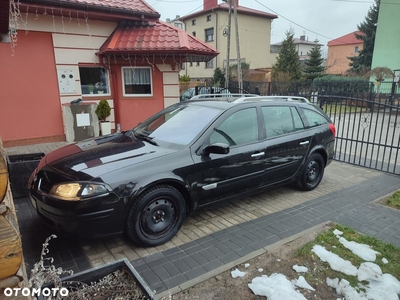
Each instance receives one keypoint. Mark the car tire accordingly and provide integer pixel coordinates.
(156, 216)
(312, 173)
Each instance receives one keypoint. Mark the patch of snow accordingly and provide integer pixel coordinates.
(385, 261)
(260, 270)
(335, 262)
(337, 232)
(373, 285)
(236, 273)
(369, 271)
(246, 265)
(302, 283)
(343, 287)
(300, 269)
(362, 250)
(275, 287)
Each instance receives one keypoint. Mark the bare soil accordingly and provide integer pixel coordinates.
(279, 259)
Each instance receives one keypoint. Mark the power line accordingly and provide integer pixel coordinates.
(294, 22)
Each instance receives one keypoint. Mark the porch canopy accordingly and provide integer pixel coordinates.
(158, 40)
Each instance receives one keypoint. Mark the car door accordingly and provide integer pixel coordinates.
(219, 176)
(287, 142)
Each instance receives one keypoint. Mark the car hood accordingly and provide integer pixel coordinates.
(92, 158)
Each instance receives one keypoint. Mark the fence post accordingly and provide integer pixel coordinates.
(370, 96)
(392, 92)
(321, 102)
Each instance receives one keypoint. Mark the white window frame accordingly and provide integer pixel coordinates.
(136, 95)
(96, 85)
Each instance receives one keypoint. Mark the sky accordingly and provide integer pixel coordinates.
(324, 20)
(379, 286)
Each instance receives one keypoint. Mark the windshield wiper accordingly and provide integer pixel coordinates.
(146, 138)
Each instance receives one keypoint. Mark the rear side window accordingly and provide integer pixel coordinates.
(281, 120)
(314, 118)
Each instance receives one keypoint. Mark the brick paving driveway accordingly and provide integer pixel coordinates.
(209, 241)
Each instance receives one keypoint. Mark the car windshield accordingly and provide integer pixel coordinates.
(176, 126)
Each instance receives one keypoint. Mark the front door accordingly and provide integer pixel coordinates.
(219, 176)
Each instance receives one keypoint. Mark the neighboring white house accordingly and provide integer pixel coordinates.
(177, 22)
(303, 47)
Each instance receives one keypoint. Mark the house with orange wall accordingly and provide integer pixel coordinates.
(339, 51)
(58, 51)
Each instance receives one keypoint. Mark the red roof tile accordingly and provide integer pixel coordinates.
(156, 37)
(134, 5)
(348, 39)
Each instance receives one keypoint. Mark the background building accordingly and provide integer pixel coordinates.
(303, 47)
(387, 39)
(211, 26)
(339, 50)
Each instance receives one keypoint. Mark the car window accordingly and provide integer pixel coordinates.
(177, 125)
(281, 120)
(239, 128)
(314, 118)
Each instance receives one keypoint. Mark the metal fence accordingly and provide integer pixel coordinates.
(388, 91)
(367, 118)
(368, 132)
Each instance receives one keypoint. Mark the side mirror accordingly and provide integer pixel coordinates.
(217, 148)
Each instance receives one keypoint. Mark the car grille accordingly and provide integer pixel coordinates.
(44, 186)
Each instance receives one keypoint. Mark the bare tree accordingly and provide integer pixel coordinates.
(380, 74)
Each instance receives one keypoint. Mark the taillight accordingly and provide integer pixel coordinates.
(333, 129)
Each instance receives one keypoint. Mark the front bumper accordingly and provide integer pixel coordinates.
(101, 220)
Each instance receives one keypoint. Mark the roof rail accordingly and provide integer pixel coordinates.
(274, 98)
(222, 97)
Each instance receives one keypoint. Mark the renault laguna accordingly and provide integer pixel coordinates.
(145, 181)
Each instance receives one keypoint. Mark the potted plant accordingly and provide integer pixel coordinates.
(103, 111)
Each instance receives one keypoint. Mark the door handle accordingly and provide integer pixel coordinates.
(257, 154)
(304, 143)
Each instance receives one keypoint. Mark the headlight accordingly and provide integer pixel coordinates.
(77, 191)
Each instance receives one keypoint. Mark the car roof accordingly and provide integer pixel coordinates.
(224, 103)
(243, 98)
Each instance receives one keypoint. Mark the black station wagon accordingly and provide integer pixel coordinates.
(189, 156)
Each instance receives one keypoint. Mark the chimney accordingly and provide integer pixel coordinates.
(302, 38)
(208, 4)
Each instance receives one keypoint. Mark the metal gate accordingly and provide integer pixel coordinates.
(368, 132)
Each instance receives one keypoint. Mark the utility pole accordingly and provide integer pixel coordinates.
(239, 63)
(228, 46)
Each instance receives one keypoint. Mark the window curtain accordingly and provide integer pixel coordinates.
(137, 76)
